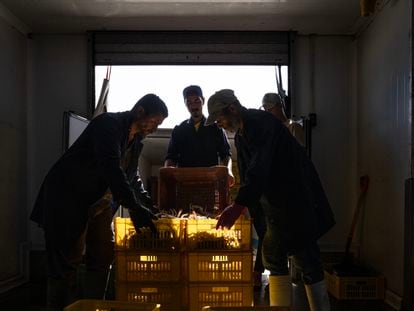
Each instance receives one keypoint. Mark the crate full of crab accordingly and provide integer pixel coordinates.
(170, 235)
(202, 235)
(147, 257)
(223, 255)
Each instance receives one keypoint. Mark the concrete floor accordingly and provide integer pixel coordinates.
(31, 297)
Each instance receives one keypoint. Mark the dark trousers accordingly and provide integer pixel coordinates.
(306, 263)
(259, 223)
(94, 246)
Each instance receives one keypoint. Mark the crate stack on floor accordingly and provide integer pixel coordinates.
(189, 264)
(219, 264)
(149, 268)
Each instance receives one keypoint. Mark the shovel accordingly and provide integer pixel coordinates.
(347, 267)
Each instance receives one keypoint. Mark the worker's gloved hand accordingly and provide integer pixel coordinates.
(145, 200)
(141, 218)
(229, 215)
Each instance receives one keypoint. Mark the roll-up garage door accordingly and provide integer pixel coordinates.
(190, 47)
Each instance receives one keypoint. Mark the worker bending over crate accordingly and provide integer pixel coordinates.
(75, 202)
(278, 174)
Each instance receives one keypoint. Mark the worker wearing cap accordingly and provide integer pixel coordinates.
(272, 103)
(277, 173)
(74, 203)
(192, 143)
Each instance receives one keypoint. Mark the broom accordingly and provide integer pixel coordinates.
(347, 267)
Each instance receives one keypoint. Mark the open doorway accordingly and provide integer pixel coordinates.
(130, 83)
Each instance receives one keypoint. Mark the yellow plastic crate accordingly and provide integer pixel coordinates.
(361, 287)
(172, 296)
(170, 235)
(148, 266)
(202, 235)
(108, 305)
(263, 308)
(219, 295)
(220, 266)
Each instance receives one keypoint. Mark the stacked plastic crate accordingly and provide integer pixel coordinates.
(110, 305)
(219, 264)
(189, 264)
(149, 268)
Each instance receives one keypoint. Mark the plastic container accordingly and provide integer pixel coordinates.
(219, 295)
(220, 266)
(169, 237)
(201, 234)
(172, 296)
(148, 266)
(108, 305)
(246, 308)
(203, 190)
(349, 287)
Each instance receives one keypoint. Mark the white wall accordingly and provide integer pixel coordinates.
(58, 75)
(13, 155)
(323, 85)
(384, 123)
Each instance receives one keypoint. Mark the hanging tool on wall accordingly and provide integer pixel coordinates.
(101, 105)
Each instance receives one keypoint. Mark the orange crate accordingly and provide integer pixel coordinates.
(148, 266)
(220, 266)
(358, 287)
(203, 189)
(169, 237)
(107, 305)
(202, 235)
(219, 295)
(172, 296)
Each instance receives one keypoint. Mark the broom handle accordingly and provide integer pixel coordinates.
(363, 184)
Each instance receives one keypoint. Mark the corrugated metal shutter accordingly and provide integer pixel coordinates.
(190, 48)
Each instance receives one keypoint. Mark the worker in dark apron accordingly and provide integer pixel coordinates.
(76, 201)
(278, 174)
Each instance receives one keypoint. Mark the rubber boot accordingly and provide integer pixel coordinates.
(280, 290)
(299, 298)
(318, 296)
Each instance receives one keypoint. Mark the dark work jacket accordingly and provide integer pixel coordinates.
(189, 147)
(85, 172)
(273, 165)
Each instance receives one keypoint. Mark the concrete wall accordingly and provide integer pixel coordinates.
(13, 155)
(360, 90)
(384, 139)
(59, 82)
(322, 84)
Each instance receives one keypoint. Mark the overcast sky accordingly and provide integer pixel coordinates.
(130, 83)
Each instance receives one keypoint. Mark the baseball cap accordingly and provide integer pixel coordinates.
(270, 100)
(217, 102)
(192, 89)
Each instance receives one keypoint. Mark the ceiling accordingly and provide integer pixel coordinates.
(78, 16)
